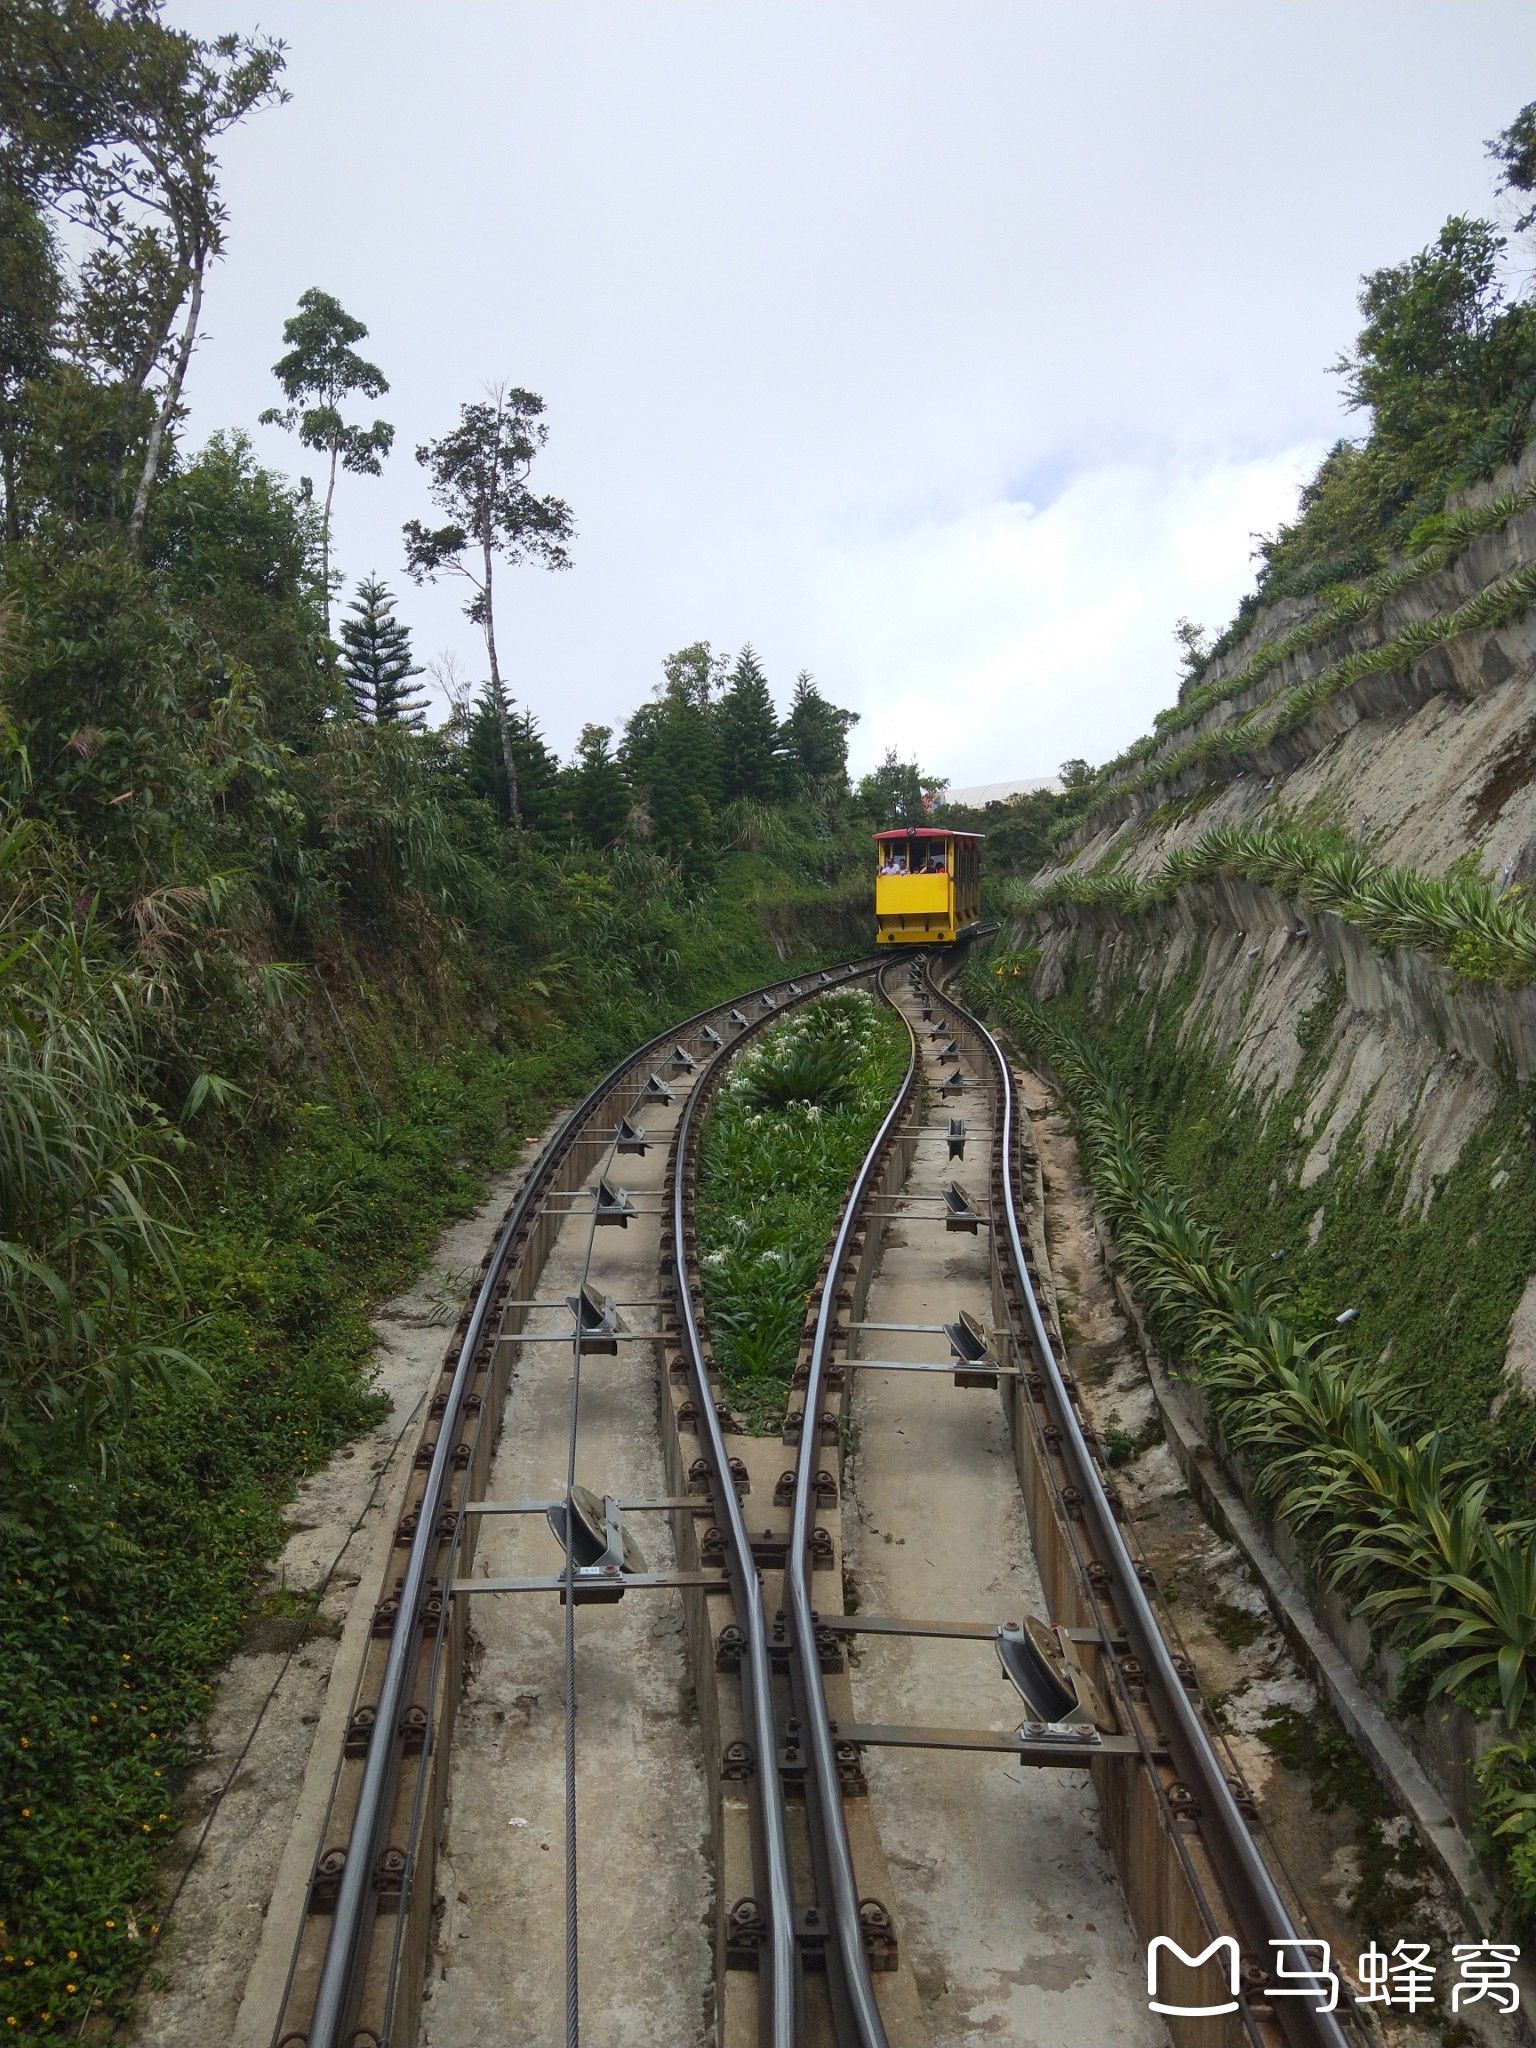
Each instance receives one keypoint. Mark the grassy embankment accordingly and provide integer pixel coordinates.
(1396, 1452)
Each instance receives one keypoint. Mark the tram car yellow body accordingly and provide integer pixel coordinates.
(927, 886)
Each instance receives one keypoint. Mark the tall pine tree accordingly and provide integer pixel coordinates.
(377, 663)
(535, 769)
(671, 757)
(599, 794)
(749, 732)
(816, 734)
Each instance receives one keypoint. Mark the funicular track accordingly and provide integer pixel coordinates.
(360, 1946)
(807, 1949)
(1177, 1815)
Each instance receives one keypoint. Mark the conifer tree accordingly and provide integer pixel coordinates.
(494, 730)
(671, 756)
(815, 734)
(599, 793)
(748, 731)
(377, 663)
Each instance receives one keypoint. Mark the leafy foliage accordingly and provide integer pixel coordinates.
(1398, 1524)
(781, 1145)
(318, 374)
(282, 982)
(898, 792)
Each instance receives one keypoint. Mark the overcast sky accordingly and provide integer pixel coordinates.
(951, 351)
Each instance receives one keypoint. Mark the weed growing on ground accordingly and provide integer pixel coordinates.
(780, 1147)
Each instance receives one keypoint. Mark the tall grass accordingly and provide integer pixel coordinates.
(83, 1187)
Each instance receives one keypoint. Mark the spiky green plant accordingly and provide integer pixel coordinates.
(1484, 932)
(1396, 1524)
(1488, 1623)
(1435, 544)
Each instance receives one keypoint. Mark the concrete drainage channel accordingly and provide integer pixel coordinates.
(881, 1732)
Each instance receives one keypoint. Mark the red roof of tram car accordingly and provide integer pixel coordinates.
(925, 832)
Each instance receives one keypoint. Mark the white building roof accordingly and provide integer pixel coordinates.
(977, 794)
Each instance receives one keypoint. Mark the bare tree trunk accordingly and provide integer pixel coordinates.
(325, 546)
(168, 403)
(513, 804)
(12, 508)
(142, 367)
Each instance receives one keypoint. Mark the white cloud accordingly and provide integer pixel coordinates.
(818, 290)
(997, 642)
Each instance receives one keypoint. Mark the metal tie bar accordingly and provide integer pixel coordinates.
(717, 1582)
(626, 1507)
(1058, 1752)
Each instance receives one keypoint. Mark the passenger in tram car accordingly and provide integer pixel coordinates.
(935, 865)
(895, 860)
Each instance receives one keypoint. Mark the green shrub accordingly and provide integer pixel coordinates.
(781, 1144)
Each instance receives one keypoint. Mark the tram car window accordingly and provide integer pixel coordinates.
(927, 885)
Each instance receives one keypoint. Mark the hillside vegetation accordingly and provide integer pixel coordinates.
(1295, 1063)
(1444, 371)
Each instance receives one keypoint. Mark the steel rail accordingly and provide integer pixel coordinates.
(780, 2011)
(843, 1906)
(1250, 1889)
(351, 1922)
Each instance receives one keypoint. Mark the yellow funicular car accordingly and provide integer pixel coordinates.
(927, 886)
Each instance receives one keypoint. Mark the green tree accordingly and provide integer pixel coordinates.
(1195, 647)
(535, 770)
(1076, 773)
(110, 117)
(479, 477)
(693, 675)
(318, 374)
(1433, 348)
(1515, 149)
(748, 730)
(898, 792)
(671, 756)
(598, 792)
(816, 735)
(31, 291)
(378, 665)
